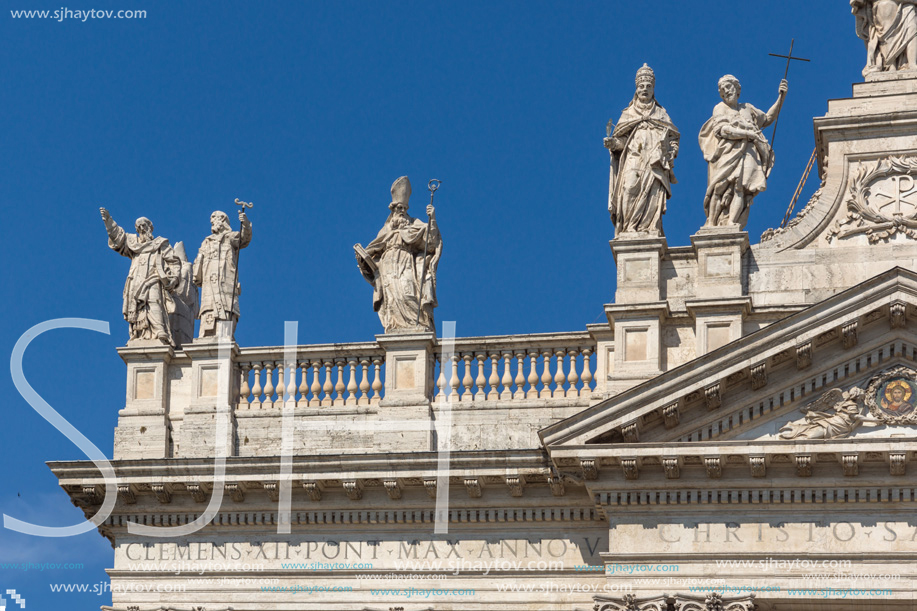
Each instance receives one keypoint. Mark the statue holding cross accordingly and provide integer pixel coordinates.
(738, 155)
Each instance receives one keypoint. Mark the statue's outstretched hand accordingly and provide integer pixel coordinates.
(105, 215)
(783, 88)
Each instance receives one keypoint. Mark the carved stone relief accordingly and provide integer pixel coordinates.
(882, 201)
(712, 601)
(889, 397)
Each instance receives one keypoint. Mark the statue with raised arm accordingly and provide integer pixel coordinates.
(738, 155)
(643, 147)
(154, 271)
(394, 262)
(216, 272)
(889, 29)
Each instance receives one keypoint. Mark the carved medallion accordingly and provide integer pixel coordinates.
(892, 395)
(883, 201)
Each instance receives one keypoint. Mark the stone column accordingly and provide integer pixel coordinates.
(208, 427)
(409, 367)
(143, 429)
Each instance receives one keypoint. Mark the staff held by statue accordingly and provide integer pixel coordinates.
(433, 185)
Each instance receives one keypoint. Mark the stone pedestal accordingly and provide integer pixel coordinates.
(208, 427)
(721, 287)
(720, 262)
(143, 429)
(638, 339)
(638, 260)
(717, 322)
(409, 366)
(604, 337)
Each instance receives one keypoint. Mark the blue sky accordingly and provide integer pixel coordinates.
(310, 110)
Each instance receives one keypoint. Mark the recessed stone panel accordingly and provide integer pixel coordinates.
(145, 384)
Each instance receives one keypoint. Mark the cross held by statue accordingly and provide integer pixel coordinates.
(789, 57)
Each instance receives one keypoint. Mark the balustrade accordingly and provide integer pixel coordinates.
(550, 366)
(498, 368)
(320, 376)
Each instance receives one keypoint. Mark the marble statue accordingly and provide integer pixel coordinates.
(394, 262)
(216, 272)
(820, 423)
(643, 147)
(889, 29)
(738, 155)
(186, 300)
(154, 271)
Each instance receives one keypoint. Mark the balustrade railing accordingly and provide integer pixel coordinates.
(501, 368)
(321, 376)
(492, 368)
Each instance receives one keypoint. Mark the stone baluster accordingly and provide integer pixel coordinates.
(467, 380)
(339, 386)
(454, 380)
(328, 386)
(244, 389)
(520, 376)
(533, 376)
(507, 380)
(316, 387)
(560, 378)
(256, 389)
(364, 382)
(480, 381)
(440, 390)
(573, 377)
(291, 384)
(494, 380)
(587, 372)
(546, 375)
(268, 385)
(351, 382)
(303, 385)
(377, 378)
(281, 385)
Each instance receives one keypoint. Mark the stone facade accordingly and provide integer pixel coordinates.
(743, 420)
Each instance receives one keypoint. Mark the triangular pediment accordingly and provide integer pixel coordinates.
(752, 388)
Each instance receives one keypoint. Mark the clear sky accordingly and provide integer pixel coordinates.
(310, 110)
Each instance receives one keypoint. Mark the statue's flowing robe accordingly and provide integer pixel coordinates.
(890, 25)
(399, 256)
(216, 272)
(146, 304)
(733, 163)
(821, 425)
(641, 174)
